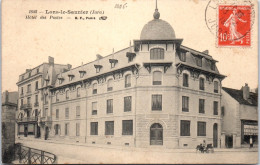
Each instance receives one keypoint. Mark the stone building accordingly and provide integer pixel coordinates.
(240, 117)
(9, 108)
(30, 102)
(154, 93)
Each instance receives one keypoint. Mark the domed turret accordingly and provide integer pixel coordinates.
(157, 29)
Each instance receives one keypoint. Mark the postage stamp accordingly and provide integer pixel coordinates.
(234, 24)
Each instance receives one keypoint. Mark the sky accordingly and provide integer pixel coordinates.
(27, 43)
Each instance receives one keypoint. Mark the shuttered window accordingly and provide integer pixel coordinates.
(185, 82)
(201, 83)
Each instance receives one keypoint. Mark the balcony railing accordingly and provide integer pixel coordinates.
(36, 104)
(26, 106)
(27, 119)
(45, 118)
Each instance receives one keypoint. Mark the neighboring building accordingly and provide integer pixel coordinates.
(240, 117)
(9, 108)
(31, 99)
(157, 92)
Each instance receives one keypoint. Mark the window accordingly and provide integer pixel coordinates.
(215, 104)
(127, 103)
(56, 128)
(28, 100)
(45, 112)
(109, 128)
(94, 128)
(30, 74)
(201, 83)
(67, 113)
(82, 73)
(215, 87)
(67, 125)
(183, 56)
(185, 80)
(57, 97)
(185, 104)
(157, 78)
(57, 113)
(37, 71)
(185, 128)
(77, 111)
(94, 108)
(199, 61)
(201, 106)
(95, 88)
(22, 77)
(78, 92)
(46, 99)
(110, 106)
(21, 102)
(110, 85)
(128, 80)
(201, 131)
(71, 77)
(156, 54)
(36, 100)
(21, 90)
(213, 66)
(127, 128)
(60, 81)
(67, 95)
(28, 88)
(77, 129)
(156, 102)
(36, 85)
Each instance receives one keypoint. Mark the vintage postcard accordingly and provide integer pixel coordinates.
(130, 81)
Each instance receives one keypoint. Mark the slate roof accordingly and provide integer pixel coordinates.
(238, 96)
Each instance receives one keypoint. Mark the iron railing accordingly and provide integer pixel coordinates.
(27, 155)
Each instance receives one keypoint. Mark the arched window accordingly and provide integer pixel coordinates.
(78, 92)
(95, 88)
(201, 83)
(185, 80)
(110, 85)
(128, 80)
(157, 78)
(156, 134)
(156, 54)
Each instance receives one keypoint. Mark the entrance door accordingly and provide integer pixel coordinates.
(25, 130)
(215, 135)
(156, 134)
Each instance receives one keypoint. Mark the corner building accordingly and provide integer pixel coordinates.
(154, 93)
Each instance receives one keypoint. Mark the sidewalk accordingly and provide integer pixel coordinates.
(254, 149)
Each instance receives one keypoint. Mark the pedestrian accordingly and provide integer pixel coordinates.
(251, 142)
(204, 145)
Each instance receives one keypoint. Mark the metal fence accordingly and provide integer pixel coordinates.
(27, 155)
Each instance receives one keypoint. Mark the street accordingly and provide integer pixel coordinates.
(68, 153)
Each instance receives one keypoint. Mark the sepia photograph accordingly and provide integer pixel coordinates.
(129, 82)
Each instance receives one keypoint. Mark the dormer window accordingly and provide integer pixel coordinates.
(82, 73)
(182, 56)
(213, 66)
(113, 62)
(60, 80)
(98, 68)
(157, 54)
(130, 56)
(71, 76)
(199, 61)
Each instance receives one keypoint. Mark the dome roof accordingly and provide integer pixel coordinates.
(157, 29)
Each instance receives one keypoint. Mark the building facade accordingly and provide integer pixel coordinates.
(154, 93)
(240, 117)
(9, 108)
(31, 98)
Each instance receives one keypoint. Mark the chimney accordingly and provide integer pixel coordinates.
(206, 51)
(69, 66)
(99, 56)
(246, 90)
(51, 60)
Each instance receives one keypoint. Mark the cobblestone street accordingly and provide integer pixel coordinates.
(81, 153)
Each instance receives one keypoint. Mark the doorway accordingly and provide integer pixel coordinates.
(156, 134)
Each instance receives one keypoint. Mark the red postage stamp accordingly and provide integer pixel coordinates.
(234, 25)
